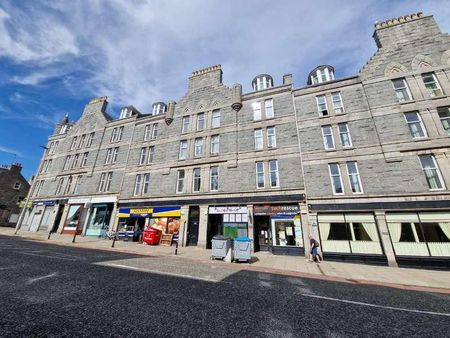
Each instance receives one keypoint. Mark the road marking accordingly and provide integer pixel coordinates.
(159, 272)
(48, 256)
(36, 279)
(377, 306)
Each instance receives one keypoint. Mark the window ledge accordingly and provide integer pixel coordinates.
(348, 148)
(407, 102)
(324, 117)
(330, 150)
(418, 139)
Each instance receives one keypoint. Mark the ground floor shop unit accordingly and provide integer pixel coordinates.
(276, 226)
(414, 234)
(43, 216)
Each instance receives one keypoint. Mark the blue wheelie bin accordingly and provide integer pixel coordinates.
(242, 249)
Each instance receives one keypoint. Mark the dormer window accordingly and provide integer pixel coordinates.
(321, 74)
(159, 108)
(261, 82)
(64, 129)
(125, 112)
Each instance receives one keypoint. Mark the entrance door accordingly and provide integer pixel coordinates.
(44, 220)
(193, 222)
(262, 233)
(57, 218)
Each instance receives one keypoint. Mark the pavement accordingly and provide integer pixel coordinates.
(64, 290)
(296, 266)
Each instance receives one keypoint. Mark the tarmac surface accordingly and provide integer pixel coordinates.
(53, 290)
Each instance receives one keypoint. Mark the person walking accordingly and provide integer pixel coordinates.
(315, 257)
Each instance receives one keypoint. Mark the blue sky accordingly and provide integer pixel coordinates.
(57, 55)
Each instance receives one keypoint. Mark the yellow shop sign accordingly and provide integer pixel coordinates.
(141, 211)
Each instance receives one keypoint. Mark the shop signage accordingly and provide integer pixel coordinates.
(44, 202)
(173, 211)
(228, 210)
(270, 210)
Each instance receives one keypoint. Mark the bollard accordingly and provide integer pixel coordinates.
(74, 236)
(176, 248)
(114, 241)
(49, 234)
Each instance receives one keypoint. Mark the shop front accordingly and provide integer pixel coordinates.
(41, 215)
(99, 219)
(229, 221)
(420, 237)
(350, 237)
(278, 229)
(133, 221)
(75, 219)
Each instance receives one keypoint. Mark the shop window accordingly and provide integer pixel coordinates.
(338, 232)
(410, 232)
(415, 125)
(328, 140)
(215, 144)
(185, 124)
(432, 84)
(258, 139)
(200, 121)
(196, 180)
(180, 181)
(336, 99)
(215, 121)
(268, 106)
(256, 106)
(436, 232)
(360, 233)
(322, 105)
(444, 115)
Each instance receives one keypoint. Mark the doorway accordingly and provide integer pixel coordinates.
(215, 227)
(58, 217)
(262, 233)
(193, 222)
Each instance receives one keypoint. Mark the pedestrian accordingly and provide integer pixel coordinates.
(315, 257)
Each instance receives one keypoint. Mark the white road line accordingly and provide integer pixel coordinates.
(160, 272)
(48, 256)
(36, 279)
(377, 306)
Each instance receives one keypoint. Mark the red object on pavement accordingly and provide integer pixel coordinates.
(152, 236)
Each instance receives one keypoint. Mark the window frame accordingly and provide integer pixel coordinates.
(405, 88)
(436, 168)
(268, 106)
(256, 108)
(332, 180)
(348, 134)
(143, 155)
(270, 144)
(445, 119)
(258, 135)
(431, 92)
(198, 178)
(183, 150)
(357, 175)
(418, 122)
(277, 174)
(137, 185)
(215, 118)
(321, 114)
(260, 174)
(215, 144)
(324, 137)
(198, 144)
(185, 124)
(182, 180)
(211, 177)
(333, 102)
(202, 120)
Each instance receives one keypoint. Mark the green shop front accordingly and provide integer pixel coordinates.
(229, 221)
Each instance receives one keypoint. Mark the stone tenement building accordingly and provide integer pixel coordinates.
(361, 162)
(13, 190)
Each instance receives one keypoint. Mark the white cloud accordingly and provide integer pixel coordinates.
(10, 151)
(141, 52)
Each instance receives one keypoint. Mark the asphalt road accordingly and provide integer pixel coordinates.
(49, 291)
